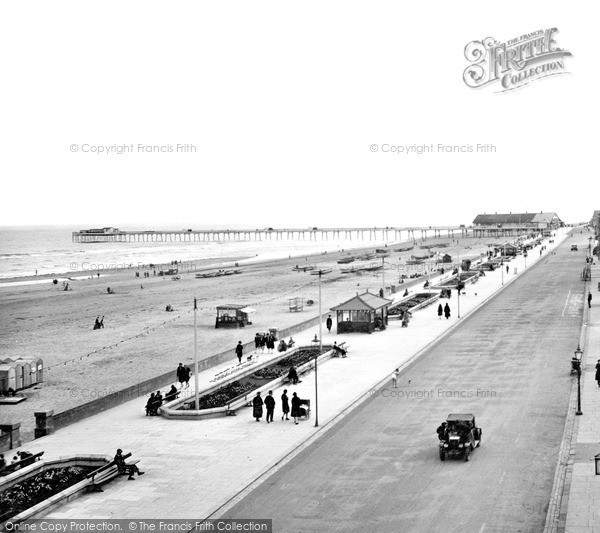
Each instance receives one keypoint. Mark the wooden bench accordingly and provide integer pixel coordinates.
(106, 473)
(9, 469)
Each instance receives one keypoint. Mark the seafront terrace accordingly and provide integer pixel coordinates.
(217, 459)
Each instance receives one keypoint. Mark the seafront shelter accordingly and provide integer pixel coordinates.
(363, 313)
(233, 316)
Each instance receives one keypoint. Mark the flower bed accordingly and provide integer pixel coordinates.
(418, 300)
(451, 282)
(222, 396)
(35, 489)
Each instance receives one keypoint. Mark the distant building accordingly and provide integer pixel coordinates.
(595, 222)
(103, 231)
(515, 224)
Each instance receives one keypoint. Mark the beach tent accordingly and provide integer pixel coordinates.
(7, 377)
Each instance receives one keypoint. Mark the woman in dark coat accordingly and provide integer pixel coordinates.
(440, 311)
(257, 407)
(293, 375)
(295, 408)
(447, 311)
(285, 405)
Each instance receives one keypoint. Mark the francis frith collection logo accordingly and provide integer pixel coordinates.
(514, 63)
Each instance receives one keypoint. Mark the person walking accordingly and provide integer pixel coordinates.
(256, 342)
(239, 350)
(395, 377)
(285, 405)
(257, 407)
(598, 372)
(295, 407)
(329, 323)
(507, 269)
(440, 311)
(447, 311)
(589, 299)
(181, 374)
(262, 343)
(270, 405)
(188, 373)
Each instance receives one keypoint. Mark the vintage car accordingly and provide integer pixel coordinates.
(460, 437)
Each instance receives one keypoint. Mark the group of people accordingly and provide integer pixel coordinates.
(262, 341)
(443, 311)
(297, 411)
(19, 456)
(99, 323)
(183, 374)
(156, 400)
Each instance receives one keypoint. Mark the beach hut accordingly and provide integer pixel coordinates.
(447, 258)
(7, 377)
(18, 375)
(35, 371)
(26, 374)
(363, 313)
(233, 316)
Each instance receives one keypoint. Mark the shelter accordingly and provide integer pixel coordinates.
(233, 316)
(363, 313)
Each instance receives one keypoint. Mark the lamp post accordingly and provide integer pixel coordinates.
(319, 272)
(196, 391)
(578, 355)
(458, 280)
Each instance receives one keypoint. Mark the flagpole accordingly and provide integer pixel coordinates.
(196, 392)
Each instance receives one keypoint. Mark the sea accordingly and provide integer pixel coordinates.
(44, 251)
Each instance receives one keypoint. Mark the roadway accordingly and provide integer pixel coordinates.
(379, 470)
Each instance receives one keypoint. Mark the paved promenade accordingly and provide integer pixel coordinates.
(193, 468)
(583, 504)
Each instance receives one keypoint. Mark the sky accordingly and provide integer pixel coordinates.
(287, 114)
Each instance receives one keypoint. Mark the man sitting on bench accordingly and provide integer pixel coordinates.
(338, 350)
(124, 468)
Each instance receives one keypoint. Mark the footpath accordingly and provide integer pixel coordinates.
(195, 469)
(580, 510)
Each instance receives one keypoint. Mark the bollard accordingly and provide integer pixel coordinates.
(44, 423)
(13, 433)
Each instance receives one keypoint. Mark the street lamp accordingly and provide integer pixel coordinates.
(578, 355)
(319, 272)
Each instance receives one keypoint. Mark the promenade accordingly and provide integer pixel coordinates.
(580, 510)
(197, 468)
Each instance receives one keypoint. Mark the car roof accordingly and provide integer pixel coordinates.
(460, 417)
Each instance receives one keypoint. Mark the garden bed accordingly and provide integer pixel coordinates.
(413, 303)
(39, 487)
(465, 277)
(229, 392)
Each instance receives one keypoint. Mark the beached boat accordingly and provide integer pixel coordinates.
(218, 273)
(345, 260)
(414, 261)
(428, 246)
(420, 257)
(381, 250)
(404, 248)
(349, 270)
(303, 269)
(366, 257)
(371, 268)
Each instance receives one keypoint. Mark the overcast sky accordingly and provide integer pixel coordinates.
(282, 102)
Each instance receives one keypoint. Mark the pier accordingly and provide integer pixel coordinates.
(312, 234)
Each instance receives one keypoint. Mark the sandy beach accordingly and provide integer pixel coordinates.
(56, 325)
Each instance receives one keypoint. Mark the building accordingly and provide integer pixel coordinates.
(512, 224)
(363, 313)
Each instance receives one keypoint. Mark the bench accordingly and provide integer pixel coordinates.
(342, 346)
(106, 473)
(9, 469)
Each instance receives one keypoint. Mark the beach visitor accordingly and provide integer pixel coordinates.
(441, 431)
(124, 468)
(589, 299)
(395, 377)
(256, 342)
(188, 373)
(262, 342)
(257, 407)
(295, 408)
(598, 372)
(447, 311)
(329, 323)
(172, 394)
(2, 460)
(285, 405)
(507, 269)
(102, 322)
(293, 375)
(181, 374)
(291, 342)
(440, 311)
(405, 292)
(239, 350)
(381, 293)
(97, 323)
(150, 405)
(282, 346)
(270, 405)
(159, 398)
